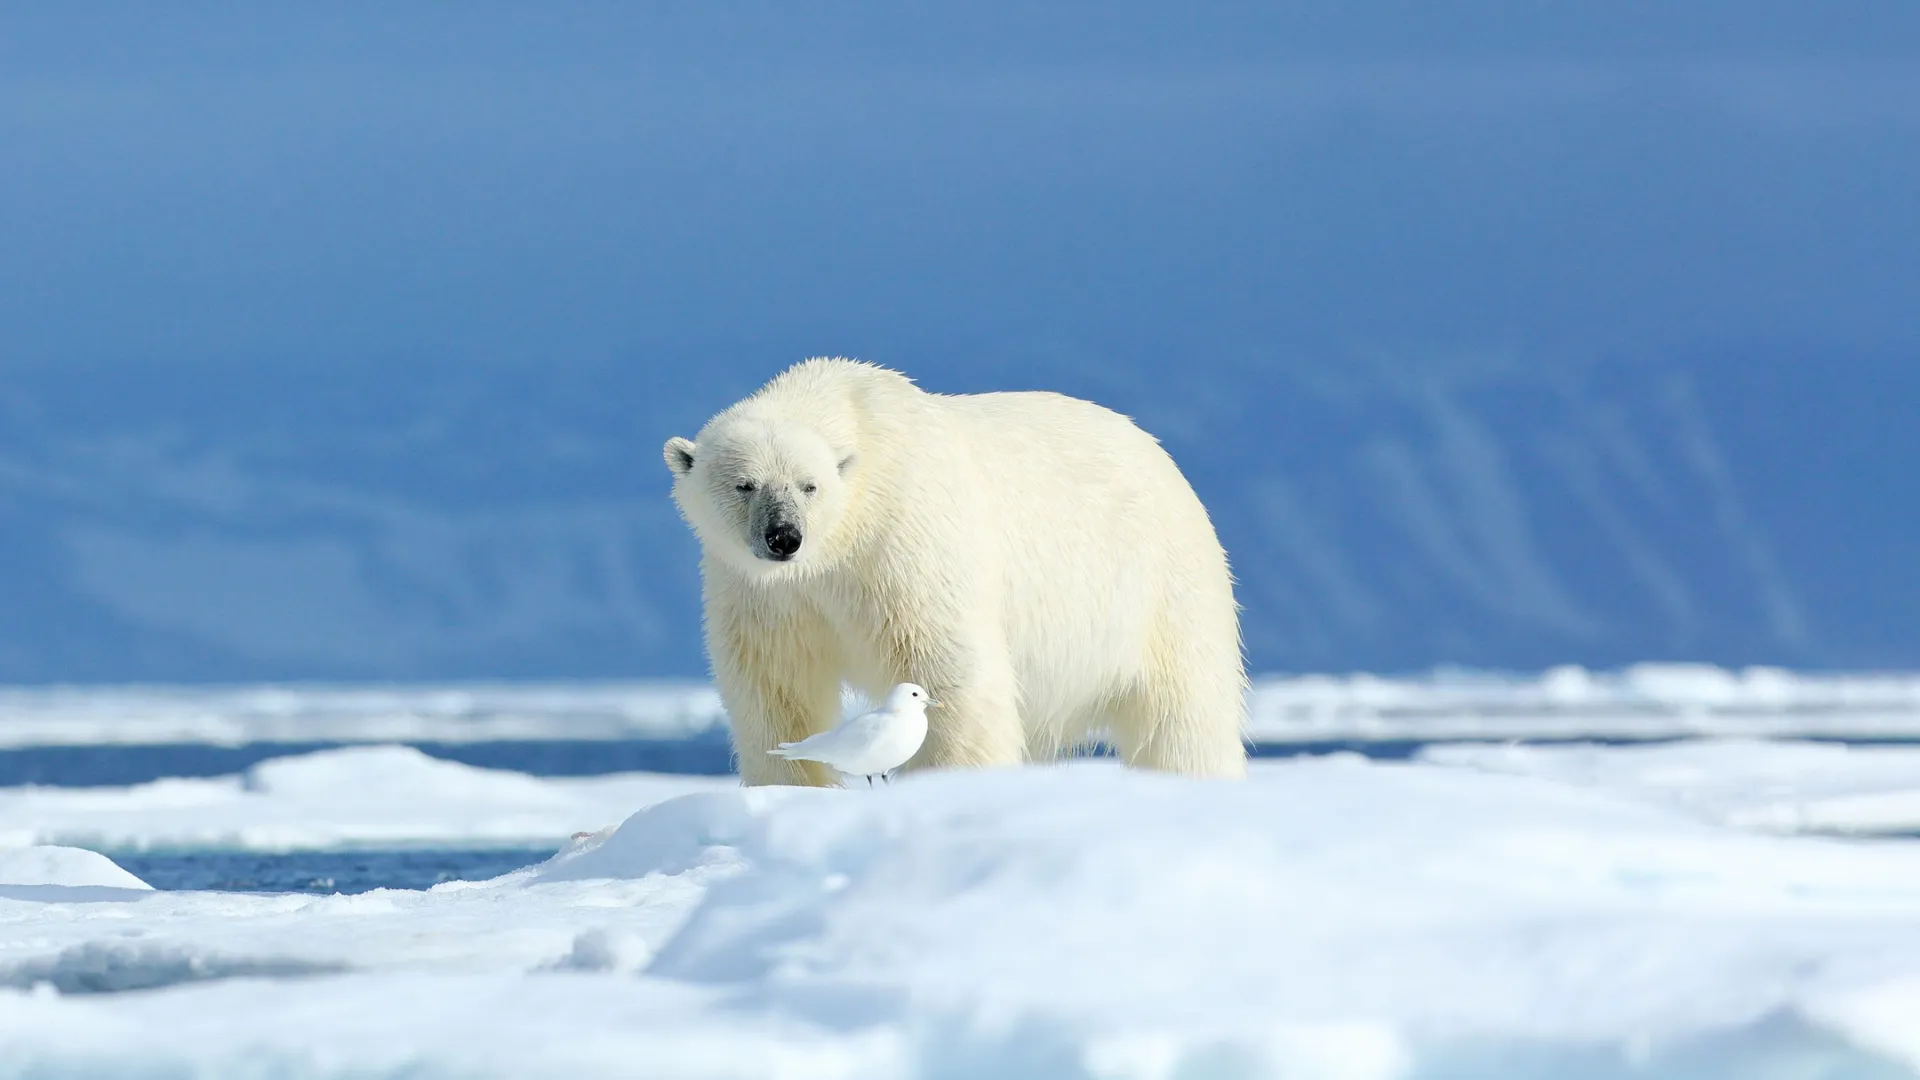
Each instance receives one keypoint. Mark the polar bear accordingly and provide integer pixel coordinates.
(1037, 562)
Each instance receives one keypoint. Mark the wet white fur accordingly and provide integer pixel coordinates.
(1037, 562)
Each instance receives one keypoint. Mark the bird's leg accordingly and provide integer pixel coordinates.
(869, 783)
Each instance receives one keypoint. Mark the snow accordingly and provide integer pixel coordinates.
(361, 796)
(1777, 786)
(1645, 701)
(1331, 918)
(63, 873)
(231, 716)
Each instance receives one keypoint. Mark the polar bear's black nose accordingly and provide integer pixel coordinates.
(782, 540)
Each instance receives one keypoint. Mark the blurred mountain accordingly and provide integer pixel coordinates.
(1474, 510)
(340, 342)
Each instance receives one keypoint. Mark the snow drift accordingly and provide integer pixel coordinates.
(1330, 918)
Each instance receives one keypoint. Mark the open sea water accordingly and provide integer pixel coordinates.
(359, 871)
(113, 765)
(322, 872)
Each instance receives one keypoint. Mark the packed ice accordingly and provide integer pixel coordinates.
(1702, 907)
(1643, 701)
(356, 796)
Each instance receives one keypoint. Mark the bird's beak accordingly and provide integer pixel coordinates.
(932, 704)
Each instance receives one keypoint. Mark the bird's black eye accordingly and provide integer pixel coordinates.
(744, 485)
(809, 487)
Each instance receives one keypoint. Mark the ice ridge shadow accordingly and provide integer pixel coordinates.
(106, 968)
(1781, 1046)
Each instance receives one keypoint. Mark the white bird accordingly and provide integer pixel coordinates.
(871, 744)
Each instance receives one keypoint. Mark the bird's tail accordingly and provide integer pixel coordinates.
(785, 750)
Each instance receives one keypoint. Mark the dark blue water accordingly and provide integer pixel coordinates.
(113, 766)
(326, 872)
(322, 872)
(329, 872)
(707, 755)
(704, 755)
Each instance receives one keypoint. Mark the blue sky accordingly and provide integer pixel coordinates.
(276, 185)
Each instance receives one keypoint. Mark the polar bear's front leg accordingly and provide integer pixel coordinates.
(978, 723)
(764, 716)
(778, 684)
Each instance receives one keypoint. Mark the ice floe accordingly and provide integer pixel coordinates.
(360, 796)
(1331, 917)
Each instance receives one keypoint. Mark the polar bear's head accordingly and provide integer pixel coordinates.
(764, 494)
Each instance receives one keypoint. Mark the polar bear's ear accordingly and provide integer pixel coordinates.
(847, 463)
(679, 455)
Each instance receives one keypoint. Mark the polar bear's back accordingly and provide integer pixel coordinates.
(1104, 541)
(1080, 463)
(1064, 455)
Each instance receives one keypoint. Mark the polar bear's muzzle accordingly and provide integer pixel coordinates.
(776, 531)
(782, 540)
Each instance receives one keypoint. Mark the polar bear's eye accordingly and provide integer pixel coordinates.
(744, 485)
(809, 487)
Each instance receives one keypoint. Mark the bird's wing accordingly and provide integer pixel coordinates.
(807, 747)
(901, 741)
(852, 735)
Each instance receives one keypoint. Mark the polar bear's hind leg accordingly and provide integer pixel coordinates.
(1186, 713)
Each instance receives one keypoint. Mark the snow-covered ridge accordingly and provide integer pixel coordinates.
(397, 796)
(1334, 918)
(235, 715)
(63, 868)
(349, 797)
(1645, 701)
(1638, 702)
